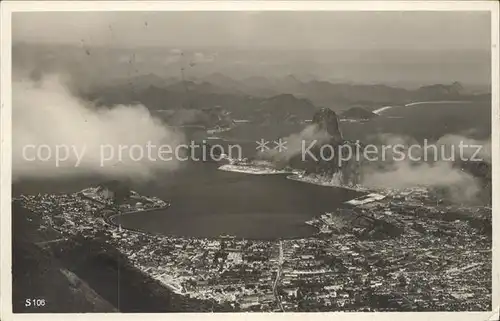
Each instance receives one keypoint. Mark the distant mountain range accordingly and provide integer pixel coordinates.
(409, 68)
(263, 100)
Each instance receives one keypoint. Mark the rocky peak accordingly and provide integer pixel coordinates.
(327, 119)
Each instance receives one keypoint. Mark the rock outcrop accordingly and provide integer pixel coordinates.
(332, 157)
(326, 119)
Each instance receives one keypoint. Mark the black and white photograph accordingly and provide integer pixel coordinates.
(235, 158)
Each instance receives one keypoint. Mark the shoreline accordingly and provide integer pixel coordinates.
(378, 111)
(110, 221)
(291, 175)
(143, 211)
(212, 238)
(172, 286)
(252, 170)
(297, 178)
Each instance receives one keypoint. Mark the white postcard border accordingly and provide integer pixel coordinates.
(7, 7)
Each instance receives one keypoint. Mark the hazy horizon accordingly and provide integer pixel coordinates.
(403, 48)
(289, 30)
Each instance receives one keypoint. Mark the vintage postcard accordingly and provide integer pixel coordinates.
(250, 160)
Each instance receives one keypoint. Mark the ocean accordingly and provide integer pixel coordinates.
(207, 202)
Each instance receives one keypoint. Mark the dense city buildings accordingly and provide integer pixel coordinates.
(385, 251)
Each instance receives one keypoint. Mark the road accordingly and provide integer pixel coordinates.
(52, 241)
(278, 276)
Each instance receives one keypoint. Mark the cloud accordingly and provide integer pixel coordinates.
(45, 113)
(176, 51)
(295, 143)
(200, 58)
(471, 149)
(435, 172)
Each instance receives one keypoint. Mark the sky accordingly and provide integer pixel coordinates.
(409, 30)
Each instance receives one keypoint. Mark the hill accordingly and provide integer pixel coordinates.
(37, 274)
(358, 113)
(238, 95)
(327, 162)
(284, 108)
(79, 275)
(114, 190)
(205, 104)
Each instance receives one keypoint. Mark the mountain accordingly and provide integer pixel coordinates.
(358, 113)
(37, 274)
(142, 82)
(326, 120)
(283, 108)
(200, 87)
(288, 84)
(259, 86)
(440, 91)
(326, 154)
(288, 99)
(341, 96)
(189, 95)
(114, 190)
(221, 80)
